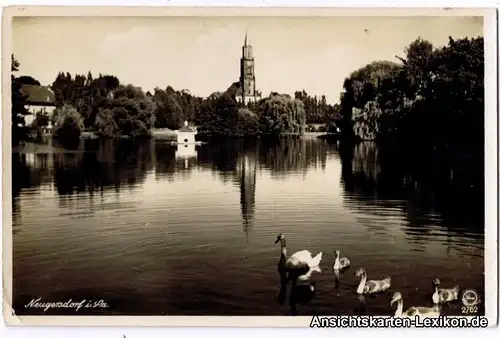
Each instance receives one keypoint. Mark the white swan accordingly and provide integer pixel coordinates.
(371, 286)
(340, 263)
(300, 265)
(413, 311)
(444, 295)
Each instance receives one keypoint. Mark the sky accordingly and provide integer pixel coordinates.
(202, 54)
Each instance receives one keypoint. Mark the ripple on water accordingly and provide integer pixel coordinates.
(166, 238)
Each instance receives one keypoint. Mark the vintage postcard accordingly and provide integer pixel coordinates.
(249, 167)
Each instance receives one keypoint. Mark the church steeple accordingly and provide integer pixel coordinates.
(247, 49)
(247, 90)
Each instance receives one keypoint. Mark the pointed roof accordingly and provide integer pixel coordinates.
(246, 38)
(186, 129)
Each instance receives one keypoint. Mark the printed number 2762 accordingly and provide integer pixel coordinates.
(469, 310)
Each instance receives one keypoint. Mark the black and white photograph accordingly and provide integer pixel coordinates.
(247, 165)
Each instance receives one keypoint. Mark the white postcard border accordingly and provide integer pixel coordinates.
(491, 153)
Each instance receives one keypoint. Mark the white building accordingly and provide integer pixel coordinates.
(186, 135)
(39, 100)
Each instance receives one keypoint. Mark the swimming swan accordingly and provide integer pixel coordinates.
(301, 264)
(444, 295)
(371, 286)
(340, 263)
(413, 311)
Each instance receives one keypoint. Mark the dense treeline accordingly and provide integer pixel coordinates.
(317, 110)
(105, 106)
(111, 108)
(432, 95)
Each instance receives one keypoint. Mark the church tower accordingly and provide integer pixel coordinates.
(247, 92)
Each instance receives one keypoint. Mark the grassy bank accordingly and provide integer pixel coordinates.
(156, 133)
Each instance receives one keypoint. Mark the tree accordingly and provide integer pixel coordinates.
(18, 110)
(28, 80)
(280, 114)
(419, 57)
(218, 115)
(316, 108)
(247, 123)
(86, 94)
(435, 95)
(41, 120)
(168, 112)
(132, 111)
(105, 123)
(68, 123)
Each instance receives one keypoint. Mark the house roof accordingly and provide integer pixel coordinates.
(41, 95)
(186, 129)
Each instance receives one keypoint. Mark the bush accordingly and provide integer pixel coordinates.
(68, 124)
(41, 120)
(105, 124)
(280, 114)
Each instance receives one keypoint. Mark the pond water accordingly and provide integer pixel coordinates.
(149, 228)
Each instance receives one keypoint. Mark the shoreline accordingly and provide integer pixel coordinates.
(32, 147)
(156, 133)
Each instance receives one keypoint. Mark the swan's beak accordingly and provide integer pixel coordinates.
(393, 301)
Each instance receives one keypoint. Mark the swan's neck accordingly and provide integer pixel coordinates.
(362, 283)
(435, 295)
(399, 308)
(283, 248)
(336, 264)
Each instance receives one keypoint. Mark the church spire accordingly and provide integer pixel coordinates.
(245, 38)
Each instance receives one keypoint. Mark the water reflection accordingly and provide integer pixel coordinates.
(361, 308)
(301, 293)
(112, 164)
(378, 183)
(336, 278)
(442, 188)
(173, 162)
(284, 157)
(247, 176)
(196, 209)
